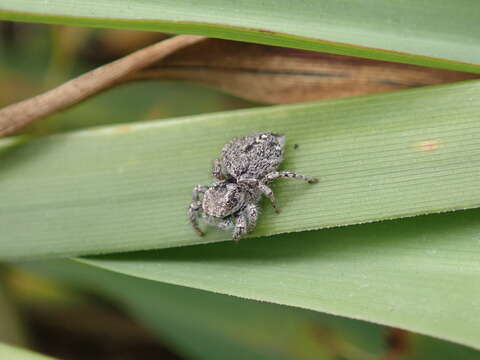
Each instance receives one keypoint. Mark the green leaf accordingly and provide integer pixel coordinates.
(437, 33)
(127, 187)
(202, 324)
(14, 353)
(423, 347)
(418, 274)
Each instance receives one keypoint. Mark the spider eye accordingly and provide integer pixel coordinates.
(234, 199)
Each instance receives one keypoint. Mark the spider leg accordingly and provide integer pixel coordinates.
(193, 211)
(251, 211)
(269, 193)
(246, 221)
(240, 226)
(197, 190)
(289, 174)
(195, 207)
(217, 170)
(224, 224)
(263, 188)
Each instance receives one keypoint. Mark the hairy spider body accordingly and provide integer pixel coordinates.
(246, 166)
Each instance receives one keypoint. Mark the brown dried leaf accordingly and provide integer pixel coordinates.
(255, 72)
(281, 75)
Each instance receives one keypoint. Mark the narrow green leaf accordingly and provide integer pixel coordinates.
(437, 33)
(419, 274)
(127, 187)
(14, 353)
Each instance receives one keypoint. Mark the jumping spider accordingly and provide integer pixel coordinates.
(246, 166)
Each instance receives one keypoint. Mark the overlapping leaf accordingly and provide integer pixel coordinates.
(214, 326)
(419, 274)
(127, 187)
(437, 33)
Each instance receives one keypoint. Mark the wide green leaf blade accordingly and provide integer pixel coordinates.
(211, 326)
(203, 325)
(419, 274)
(14, 353)
(127, 187)
(438, 33)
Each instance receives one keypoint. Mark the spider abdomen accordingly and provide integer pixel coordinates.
(253, 156)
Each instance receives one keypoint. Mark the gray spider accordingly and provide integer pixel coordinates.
(246, 166)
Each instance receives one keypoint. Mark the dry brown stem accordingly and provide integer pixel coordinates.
(16, 116)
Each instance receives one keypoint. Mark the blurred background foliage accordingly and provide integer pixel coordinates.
(73, 311)
(34, 58)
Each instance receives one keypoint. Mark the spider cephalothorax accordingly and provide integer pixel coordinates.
(223, 199)
(246, 167)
